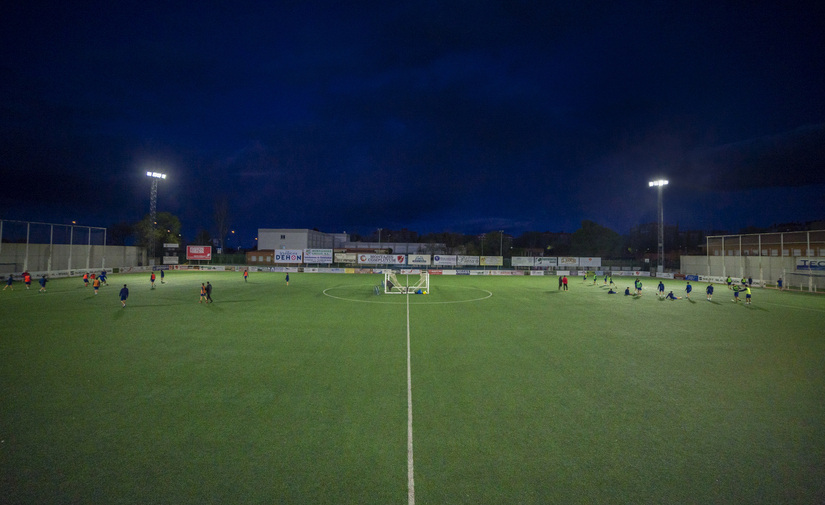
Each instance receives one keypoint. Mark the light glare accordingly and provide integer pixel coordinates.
(156, 175)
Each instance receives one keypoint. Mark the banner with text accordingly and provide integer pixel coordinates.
(590, 262)
(442, 260)
(491, 261)
(288, 256)
(568, 262)
(546, 262)
(523, 261)
(381, 259)
(317, 255)
(418, 259)
(467, 260)
(199, 252)
(809, 264)
(346, 257)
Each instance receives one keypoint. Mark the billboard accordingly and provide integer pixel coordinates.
(467, 260)
(317, 255)
(523, 261)
(382, 259)
(590, 262)
(442, 260)
(170, 260)
(546, 262)
(288, 256)
(418, 259)
(199, 252)
(346, 257)
(568, 262)
(492, 261)
(809, 264)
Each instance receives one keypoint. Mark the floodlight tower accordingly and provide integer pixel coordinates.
(661, 253)
(153, 207)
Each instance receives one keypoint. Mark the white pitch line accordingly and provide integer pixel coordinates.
(410, 472)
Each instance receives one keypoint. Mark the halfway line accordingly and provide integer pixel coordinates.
(410, 473)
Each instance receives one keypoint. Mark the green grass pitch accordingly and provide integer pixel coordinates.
(298, 394)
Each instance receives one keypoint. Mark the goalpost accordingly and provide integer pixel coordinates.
(393, 286)
(799, 281)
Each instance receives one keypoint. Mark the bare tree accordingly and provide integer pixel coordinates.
(222, 218)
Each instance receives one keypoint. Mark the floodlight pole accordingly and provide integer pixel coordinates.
(661, 251)
(153, 208)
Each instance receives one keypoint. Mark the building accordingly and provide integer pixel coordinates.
(272, 239)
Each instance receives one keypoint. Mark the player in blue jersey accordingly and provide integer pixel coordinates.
(661, 288)
(671, 296)
(124, 294)
(9, 282)
(688, 289)
(43, 281)
(627, 291)
(102, 277)
(709, 291)
(735, 294)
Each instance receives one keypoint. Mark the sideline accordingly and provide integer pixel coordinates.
(410, 471)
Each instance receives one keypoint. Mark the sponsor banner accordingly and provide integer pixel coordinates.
(310, 270)
(317, 255)
(418, 259)
(125, 270)
(170, 260)
(810, 264)
(477, 272)
(381, 259)
(288, 256)
(720, 280)
(462, 272)
(346, 257)
(523, 261)
(363, 270)
(410, 271)
(581, 272)
(692, 278)
(562, 272)
(171, 246)
(491, 261)
(635, 273)
(435, 272)
(158, 268)
(214, 268)
(332, 270)
(627, 268)
(590, 262)
(546, 262)
(568, 262)
(448, 272)
(442, 260)
(536, 272)
(349, 270)
(199, 252)
(467, 260)
(664, 275)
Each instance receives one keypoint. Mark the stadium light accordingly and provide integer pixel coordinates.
(661, 183)
(153, 206)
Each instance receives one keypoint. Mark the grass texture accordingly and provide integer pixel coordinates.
(521, 393)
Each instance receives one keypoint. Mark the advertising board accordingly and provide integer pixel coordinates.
(288, 256)
(199, 252)
(317, 255)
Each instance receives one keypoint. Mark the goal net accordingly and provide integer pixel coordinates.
(393, 286)
(799, 281)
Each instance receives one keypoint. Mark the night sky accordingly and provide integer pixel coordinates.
(434, 116)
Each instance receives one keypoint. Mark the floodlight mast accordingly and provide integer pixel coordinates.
(153, 207)
(661, 251)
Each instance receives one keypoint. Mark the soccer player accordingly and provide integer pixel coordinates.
(605, 279)
(27, 278)
(287, 279)
(729, 280)
(595, 279)
(661, 288)
(161, 277)
(688, 289)
(96, 284)
(560, 283)
(246, 276)
(670, 296)
(747, 295)
(627, 291)
(564, 283)
(152, 278)
(750, 281)
(9, 282)
(103, 277)
(637, 286)
(203, 293)
(86, 279)
(709, 291)
(735, 293)
(585, 276)
(779, 283)
(124, 294)
(208, 292)
(611, 292)
(43, 281)
(611, 281)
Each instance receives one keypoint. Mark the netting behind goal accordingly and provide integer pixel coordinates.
(393, 286)
(798, 281)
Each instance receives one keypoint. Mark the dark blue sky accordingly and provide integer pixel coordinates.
(435, 116)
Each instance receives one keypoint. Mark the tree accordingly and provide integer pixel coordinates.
(203, 238)
(595, 240)
(222, 218)
(166, 230)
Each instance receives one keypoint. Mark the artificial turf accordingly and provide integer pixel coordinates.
(298, 394)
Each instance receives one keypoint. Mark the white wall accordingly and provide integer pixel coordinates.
(767, 268)
(42, 258)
